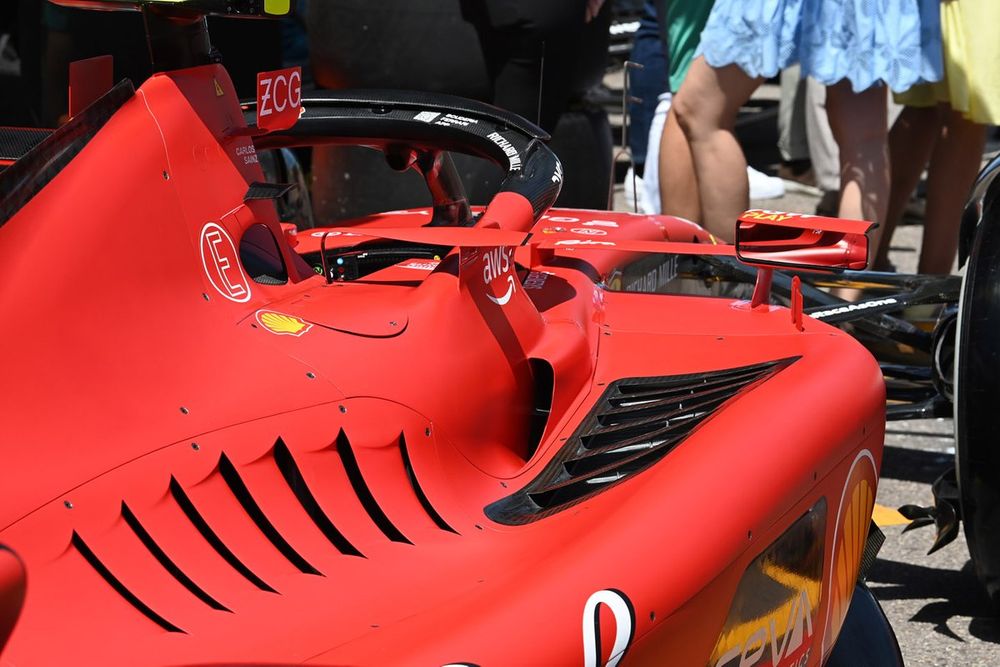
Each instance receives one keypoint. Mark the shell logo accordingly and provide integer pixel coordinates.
(850, 533)
(282, 324)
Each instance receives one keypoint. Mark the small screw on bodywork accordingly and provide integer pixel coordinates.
(478, 527)
(749, 534)
(195, 446)
(310, 375)
(392, 323)
(503, 484)
(67, 504)
(427, 431)
(652, 615)
(343, 409)
(184, 410)
(205, 296)
(166, 176)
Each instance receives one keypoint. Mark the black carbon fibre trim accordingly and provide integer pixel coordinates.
(16, 142)
(633, 425)
(24, 179)
(428, 122)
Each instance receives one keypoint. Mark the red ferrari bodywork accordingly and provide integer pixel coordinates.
(200, 468)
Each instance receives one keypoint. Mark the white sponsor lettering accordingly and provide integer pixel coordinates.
(420, 266)
(854, 307)
(584, 242)
(557, 175)
(222, 265)
(798, 629)
(508, 150)
(601, 223)
(624, 616)
(498, 263)
(588, 231)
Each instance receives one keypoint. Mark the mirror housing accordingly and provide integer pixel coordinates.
(802, 242)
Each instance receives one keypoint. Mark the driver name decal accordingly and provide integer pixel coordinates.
(222, 264)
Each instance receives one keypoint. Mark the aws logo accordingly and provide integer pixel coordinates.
(498, 275)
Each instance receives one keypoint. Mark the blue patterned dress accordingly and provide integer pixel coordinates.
(897, 42)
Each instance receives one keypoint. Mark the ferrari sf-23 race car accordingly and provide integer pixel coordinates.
(439, 436)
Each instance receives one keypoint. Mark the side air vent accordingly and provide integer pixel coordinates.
(364, 494)
(293, 476)
(253, 510)
(119, 587)
(634, 424)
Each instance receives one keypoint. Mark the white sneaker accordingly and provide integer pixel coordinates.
(763, 186)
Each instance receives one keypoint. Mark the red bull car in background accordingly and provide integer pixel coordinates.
(510, 435)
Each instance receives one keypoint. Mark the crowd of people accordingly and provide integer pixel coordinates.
(838, 61)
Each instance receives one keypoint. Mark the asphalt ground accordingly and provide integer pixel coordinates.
(934, 602)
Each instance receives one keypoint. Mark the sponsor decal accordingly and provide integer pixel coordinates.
(557, 175)
(774, 216)
(498, 274)
(601, 223)
(451, 119)
(584, 242)
(623, 614)
(773, 617)
(849, 537)
(282, 324)
(561, 218)
(854, 307)
(279, 98)
(588, 231)
(553, 230)
(426, 116)
(222, 264)
(218, 89)
(652, 280)
(429, 265)
(508, 150)
(319, 235)
(536, 279)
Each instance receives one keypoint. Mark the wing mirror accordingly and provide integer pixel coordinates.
(803, 242)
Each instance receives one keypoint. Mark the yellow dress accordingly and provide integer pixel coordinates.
(971, 62)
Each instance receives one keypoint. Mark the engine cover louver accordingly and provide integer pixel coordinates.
(634, 424)
(231, 496)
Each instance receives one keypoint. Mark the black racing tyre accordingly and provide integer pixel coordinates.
(866, 639)
(977, 396)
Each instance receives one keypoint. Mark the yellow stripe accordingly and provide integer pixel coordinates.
(885, 516)
(276, 7)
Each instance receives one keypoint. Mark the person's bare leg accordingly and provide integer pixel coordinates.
(678, 186)
(859, 124)
(706, 108)
(911, 141)
(953, 167)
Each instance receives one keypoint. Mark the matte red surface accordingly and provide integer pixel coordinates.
(129, 363)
